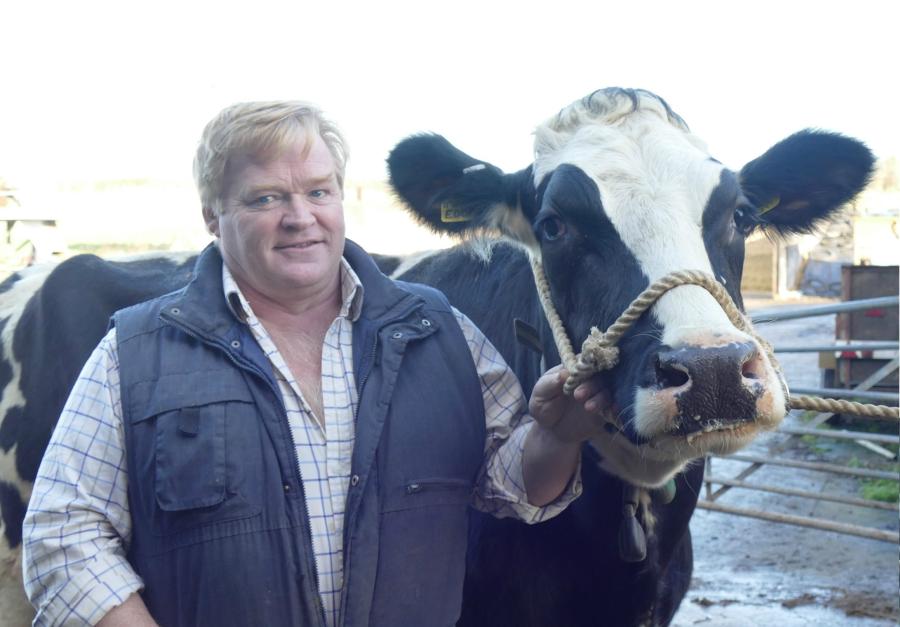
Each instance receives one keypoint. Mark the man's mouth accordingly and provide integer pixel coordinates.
(297, 245)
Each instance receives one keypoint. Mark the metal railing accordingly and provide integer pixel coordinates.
(871, 441)
(777, 315)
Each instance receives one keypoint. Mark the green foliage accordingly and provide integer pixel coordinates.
(885, 490)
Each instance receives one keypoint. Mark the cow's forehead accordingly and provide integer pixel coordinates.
(655, 181)
(654, 177)
(605, 121)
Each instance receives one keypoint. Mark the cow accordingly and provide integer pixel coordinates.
(51, 317)
(620, 193)
(617, 146)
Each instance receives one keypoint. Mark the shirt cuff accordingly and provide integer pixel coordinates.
(103, 583)
(502, 492)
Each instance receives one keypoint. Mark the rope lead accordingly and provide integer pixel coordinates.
(599, 351)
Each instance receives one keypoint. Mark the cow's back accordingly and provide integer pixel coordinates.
(51, 318)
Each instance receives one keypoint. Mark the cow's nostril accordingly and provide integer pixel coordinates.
(752, 368)
(670, 375)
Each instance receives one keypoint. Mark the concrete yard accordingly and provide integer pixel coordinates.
(750, 572)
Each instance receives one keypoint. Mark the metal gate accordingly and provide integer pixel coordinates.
(871, 441)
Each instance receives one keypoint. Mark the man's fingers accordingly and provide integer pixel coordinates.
(547, 402)
(550, 385)
(594, 395)
(599, 403)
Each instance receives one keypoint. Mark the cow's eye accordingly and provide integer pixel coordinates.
(744, 219)
(550, 228)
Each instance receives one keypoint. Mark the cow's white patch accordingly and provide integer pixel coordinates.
(655, 180)
(12, 305)
(637, 465)
(412, 261)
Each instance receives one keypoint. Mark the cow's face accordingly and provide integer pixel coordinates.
(619, 195)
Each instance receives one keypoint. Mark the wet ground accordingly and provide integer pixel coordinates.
(749, 572)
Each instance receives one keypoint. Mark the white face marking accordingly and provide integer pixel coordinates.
(655, 181)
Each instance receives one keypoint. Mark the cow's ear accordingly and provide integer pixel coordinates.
(803, 179)
(451, 192)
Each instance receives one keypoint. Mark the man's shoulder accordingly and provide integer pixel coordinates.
(145, 315)
(433, 297)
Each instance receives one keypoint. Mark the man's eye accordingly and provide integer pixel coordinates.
(264, 201)
(318, 193)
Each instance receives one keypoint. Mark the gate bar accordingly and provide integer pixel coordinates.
(820, 466)
(843, 435)
(804, 521)
(826, 348)
(774, 315)
(817, 496)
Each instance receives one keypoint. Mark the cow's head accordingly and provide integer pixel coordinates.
(620, 194)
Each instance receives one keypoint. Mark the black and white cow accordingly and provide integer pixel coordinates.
(620, 194)
(51, 318)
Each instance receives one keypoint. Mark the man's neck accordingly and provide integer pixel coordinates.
(313, 310)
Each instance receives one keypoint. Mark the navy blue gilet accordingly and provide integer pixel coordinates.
(220, 530)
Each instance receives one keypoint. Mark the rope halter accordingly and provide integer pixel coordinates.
(599, 351)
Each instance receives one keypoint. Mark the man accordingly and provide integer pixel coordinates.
(292, 438)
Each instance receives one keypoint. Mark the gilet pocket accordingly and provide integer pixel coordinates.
(190, 458)
(185, 427)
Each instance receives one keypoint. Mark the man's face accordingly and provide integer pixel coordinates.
(281, 223)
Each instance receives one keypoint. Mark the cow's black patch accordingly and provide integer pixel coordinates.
(12, 507)
(60, 326)
(9, 282)
(11, 427)
(803, 179)
(727, 218)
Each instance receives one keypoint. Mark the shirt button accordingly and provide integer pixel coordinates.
(354, 480)
(235, 344)
(426, 322)
(287, 487)
(397, 335)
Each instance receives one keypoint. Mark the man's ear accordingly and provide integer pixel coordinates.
(211, 218)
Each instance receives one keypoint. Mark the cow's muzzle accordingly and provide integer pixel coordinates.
(713, 386)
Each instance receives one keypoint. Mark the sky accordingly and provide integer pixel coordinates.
(121, 90)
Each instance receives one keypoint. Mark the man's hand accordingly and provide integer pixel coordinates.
(553, 445)
(569, 418)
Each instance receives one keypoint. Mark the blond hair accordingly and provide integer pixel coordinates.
(264, 129)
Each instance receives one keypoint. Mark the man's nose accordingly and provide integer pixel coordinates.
(297, 213)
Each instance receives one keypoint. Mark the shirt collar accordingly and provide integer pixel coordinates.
(351, 294)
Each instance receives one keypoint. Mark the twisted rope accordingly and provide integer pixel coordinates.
(599, 351)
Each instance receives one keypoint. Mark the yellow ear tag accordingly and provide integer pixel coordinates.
(770, 205)
(452, 214)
